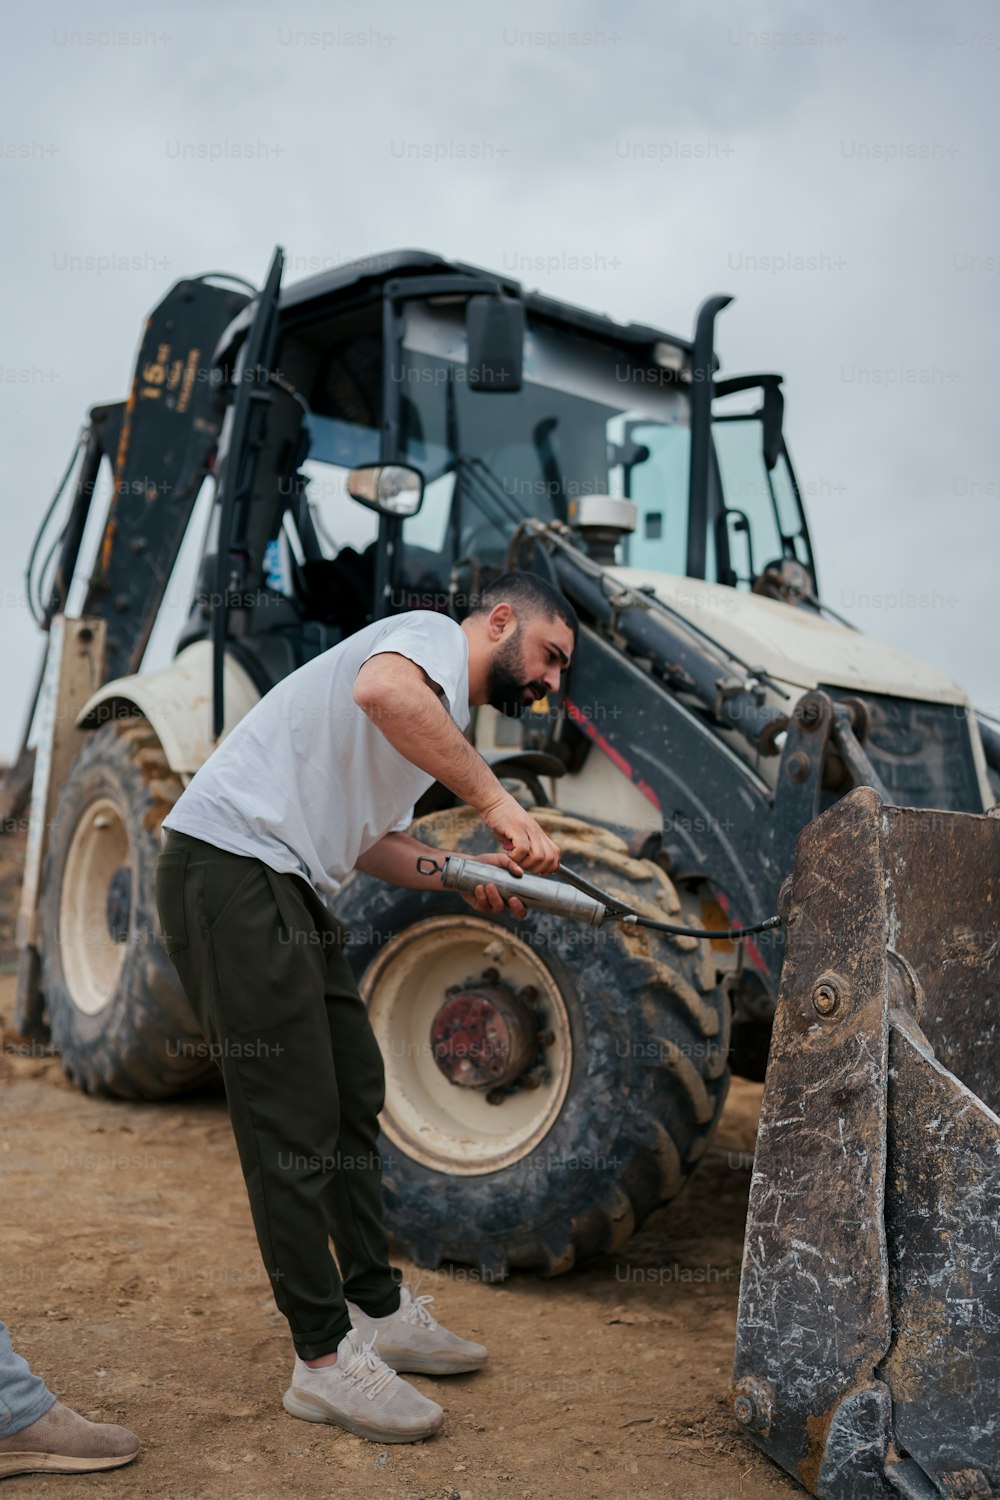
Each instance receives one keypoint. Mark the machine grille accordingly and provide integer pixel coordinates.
(922, 752)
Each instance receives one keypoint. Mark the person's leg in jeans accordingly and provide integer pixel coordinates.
(24, 1397)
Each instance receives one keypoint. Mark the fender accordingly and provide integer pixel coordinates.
(177, 701)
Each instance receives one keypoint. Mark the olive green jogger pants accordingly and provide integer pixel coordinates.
(261, 961)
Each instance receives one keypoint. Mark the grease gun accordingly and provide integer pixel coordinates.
(579, 899)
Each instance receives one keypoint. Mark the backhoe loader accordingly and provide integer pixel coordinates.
(391, 435)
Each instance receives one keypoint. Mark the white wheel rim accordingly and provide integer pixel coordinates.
(91, 959)
(437, 1123)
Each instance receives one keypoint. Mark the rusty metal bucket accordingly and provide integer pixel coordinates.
(868, 1344)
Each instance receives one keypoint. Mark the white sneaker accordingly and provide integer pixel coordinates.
(360, 1392)
(414, 1341)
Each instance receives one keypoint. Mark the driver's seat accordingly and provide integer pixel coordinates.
(339, 590)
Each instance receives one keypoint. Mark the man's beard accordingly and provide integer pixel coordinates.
(505, 683)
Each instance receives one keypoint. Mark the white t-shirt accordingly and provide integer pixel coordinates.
(306, 782)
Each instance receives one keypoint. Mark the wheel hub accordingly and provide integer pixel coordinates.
(466, 1131)
(483, 1036)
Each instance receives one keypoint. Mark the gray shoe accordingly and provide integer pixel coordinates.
(62, 1442)
(411, 1339)
(360, 1392)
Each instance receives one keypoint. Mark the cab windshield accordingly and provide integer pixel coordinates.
(590, 418)
(491, 459)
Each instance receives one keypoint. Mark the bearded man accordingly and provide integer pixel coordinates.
(318, 779)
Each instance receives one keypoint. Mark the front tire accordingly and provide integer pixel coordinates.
(116, 1010)
(617, 1100)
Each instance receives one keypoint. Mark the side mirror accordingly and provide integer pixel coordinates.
(774, 410)
(391, 489)
(494, 331)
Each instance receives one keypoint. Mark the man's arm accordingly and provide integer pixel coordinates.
(394, 860)
(396, 695)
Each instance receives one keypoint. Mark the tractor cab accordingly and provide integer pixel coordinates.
(509, 406)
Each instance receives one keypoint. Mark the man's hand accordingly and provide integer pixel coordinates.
(526, 840)
(486, 898)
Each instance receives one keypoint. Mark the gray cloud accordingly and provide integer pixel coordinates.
(644, 155)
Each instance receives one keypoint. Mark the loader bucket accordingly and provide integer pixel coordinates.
(868, 1343)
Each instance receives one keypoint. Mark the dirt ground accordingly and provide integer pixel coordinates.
(130, 1277)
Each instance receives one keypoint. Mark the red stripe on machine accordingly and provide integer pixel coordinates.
(615, 756)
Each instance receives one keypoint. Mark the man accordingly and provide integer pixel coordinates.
(320, 778)
(38, 1435)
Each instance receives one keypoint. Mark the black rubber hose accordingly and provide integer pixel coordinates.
(634, 919)
(697, 932)
(37, 606)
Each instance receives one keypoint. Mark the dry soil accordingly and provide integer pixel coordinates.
(130, 1277)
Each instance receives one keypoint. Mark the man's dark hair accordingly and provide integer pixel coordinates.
(529, 594)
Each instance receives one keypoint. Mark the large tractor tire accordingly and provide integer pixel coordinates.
(117, 1014)
(548, 1085)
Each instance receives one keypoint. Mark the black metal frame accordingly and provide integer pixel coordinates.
(702, 391)
(774, 445)
(241, 436)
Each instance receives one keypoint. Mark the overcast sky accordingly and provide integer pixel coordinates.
(834, 167)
